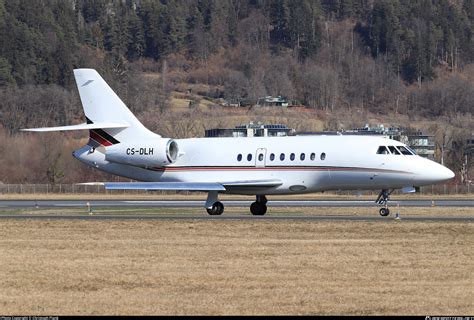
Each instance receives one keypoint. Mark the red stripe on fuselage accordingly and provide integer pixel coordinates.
(273, 168)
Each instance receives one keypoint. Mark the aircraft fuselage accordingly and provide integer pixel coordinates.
(303, 163)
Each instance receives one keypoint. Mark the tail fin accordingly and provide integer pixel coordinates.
(109, 121)
(101, 104)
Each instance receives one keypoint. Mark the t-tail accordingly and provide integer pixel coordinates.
(113, 129)
(107, 118)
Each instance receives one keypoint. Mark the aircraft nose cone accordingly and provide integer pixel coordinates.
(445, 174)
(430, 172)
(440, 173)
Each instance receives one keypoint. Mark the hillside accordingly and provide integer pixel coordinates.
(347, 62)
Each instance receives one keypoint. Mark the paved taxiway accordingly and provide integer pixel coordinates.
(230, 203)
(25, 204)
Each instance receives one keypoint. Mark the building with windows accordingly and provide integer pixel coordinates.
(251, 130)
(421, 143)
(270, 101)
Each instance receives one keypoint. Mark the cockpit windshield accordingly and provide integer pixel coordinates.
(383, 150)
(405, 151)
(411, 150)
(398, 150)
(393, 150)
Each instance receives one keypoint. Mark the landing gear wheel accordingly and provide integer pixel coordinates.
(258, 209)
(217, 209)
(384, 212)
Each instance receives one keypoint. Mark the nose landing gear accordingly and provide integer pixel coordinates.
(383, 198)
(384, 212)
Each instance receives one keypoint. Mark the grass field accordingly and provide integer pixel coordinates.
(272, 211)
(237, 267)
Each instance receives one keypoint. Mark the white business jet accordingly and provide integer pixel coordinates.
(119, 144)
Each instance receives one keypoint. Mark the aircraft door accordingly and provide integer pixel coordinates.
(260, 157)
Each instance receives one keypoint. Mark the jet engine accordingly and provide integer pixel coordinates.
(151, 153)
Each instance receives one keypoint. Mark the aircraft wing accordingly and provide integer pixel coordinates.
(188, 186)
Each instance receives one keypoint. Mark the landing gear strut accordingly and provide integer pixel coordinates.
(383, 198)
(259, 207)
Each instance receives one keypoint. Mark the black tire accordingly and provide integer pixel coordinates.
(217, 209)
(220, 207)
(258, 209)
(384, 212)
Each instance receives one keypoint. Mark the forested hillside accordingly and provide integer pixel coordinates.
(348, 62)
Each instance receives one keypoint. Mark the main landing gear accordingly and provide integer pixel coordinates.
(382, 199)
(216, 208)
(259, 207)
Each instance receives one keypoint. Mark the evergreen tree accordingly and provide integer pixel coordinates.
(136, 38)
(303, 28)
(149, 13)
(196, 33)
(279, 19)
(5, 73)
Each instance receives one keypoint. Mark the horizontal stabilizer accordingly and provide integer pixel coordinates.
(82, 126)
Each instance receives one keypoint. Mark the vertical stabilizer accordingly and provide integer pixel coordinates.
(101, 104)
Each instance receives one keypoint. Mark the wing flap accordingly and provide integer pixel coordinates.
(82, 126)
(184, 186)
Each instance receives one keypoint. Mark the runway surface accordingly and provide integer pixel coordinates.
(230, 203)
(45, 204)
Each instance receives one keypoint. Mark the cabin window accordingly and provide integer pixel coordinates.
(272, 157)
(323, 156)
(383, 150)
(282, 156)
(393, 150)
(313, 156)
(249, 157)
(302, 156)
(404, 151)
(260, 157)
(239, 157)
(292, 157)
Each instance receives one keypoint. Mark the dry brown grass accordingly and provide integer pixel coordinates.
(235, 267)
(233, 211)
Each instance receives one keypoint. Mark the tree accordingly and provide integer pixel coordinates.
(5, 73)
(279, 20)
(196, 34)
(303, 27)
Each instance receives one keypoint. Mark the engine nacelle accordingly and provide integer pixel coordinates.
(147, 153)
